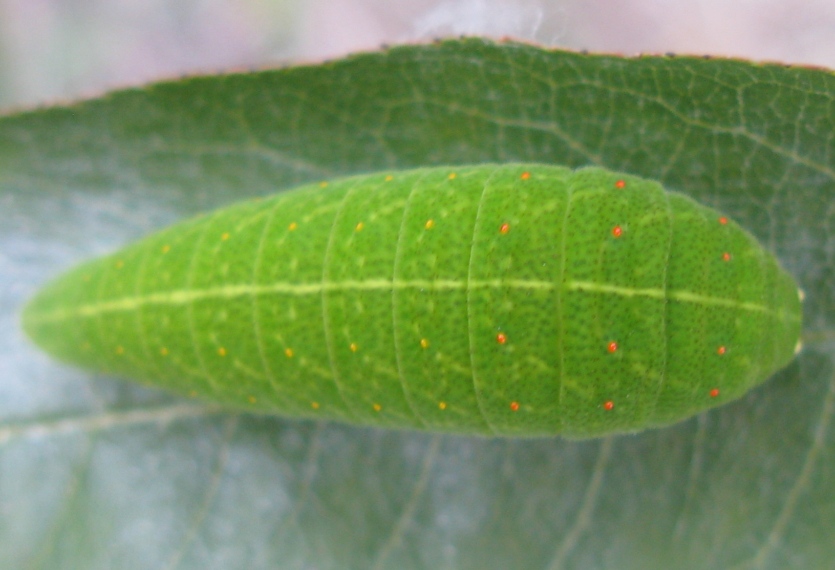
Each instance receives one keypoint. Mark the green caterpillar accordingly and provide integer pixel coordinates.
(514, 300)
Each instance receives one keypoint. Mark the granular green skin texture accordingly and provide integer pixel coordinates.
(513, 300)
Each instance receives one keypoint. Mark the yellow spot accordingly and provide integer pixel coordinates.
(323, 184)
(314, 405)
(377, 407)
(353, 347)
(442, 405)
(452, 176)
(389, 178)
(252, 399)
(424, 343)
(292, 227)
(163, 351)
(288, 352)
(359, 227)
(221, 351)
(120, 264)
(225, 236)
(429, 224)
(120, 349)
(166, 248)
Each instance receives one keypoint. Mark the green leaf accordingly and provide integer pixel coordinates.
(98, 473)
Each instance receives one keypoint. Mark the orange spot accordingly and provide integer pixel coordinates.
(714, 393)
(424, 343)
(504, 229)
(721, 350)
(525, 175)
(723, 220)
(389, 178)
(292, 227)
(612, 346)
(617, 231)
(221, 351)
(442, 405)
(501, 338)
(429, 224)
(225, 236)
(359, 226)
(620, 184)
(314, 405)
(377, 407)
(120, 350)
(166, 248)
(252, 399)
(514, 406)
(163, 351)
(726, 256)
(353, 347)
(452, 176)
(288, 352)
(608, 405)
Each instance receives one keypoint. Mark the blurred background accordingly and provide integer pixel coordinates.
(57, 49)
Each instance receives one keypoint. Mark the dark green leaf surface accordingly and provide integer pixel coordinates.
(100, 474)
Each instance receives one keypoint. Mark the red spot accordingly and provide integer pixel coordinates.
(612, 346)
(726, 256)
(608, 405)
(617, 231)
(501, 338)
(714, 392)
(721, 350)
(723, 220)
(514, 406)
(505, 228)
(620, 184)
(525, 175)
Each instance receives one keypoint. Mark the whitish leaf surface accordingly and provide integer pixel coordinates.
(98, 473)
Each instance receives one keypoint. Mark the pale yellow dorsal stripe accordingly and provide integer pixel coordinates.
(683, 296)
(185, 296)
